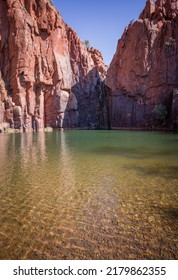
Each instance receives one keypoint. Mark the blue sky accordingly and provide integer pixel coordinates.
(102, 22)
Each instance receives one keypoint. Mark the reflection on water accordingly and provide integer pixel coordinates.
(89, 195)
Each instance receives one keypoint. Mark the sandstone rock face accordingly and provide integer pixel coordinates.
(3, 94)
(47, 75)
(144, 69)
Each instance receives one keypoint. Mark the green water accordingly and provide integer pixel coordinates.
(89, 195)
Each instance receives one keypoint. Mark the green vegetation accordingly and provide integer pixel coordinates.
(170, 42)
(87, 43)
(131, 22)
(160, 113)
(51, 1)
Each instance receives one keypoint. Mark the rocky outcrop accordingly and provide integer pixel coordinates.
(47, 75)
(144, 70)
(2, 97)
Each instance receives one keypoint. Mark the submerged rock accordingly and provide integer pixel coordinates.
(48, 129)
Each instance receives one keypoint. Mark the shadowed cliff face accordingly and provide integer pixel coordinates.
(46, 72)
(144, 69)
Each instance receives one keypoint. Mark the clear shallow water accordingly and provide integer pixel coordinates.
(89, 195)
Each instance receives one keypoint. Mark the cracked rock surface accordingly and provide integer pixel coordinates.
(144, 70)
(47, 75)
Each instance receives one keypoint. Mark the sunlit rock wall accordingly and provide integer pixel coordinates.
(48, 76)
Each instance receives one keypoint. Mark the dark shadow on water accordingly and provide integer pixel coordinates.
(131, 152)
(119, 151)
(168, 172)
(169, 213)
(172, 213)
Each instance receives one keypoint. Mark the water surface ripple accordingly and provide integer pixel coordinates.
(89, 195)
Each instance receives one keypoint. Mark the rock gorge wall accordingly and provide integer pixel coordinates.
(47, 75)
(144, 69)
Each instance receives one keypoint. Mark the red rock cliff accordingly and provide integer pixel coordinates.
(144, 70)
(47, 75)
